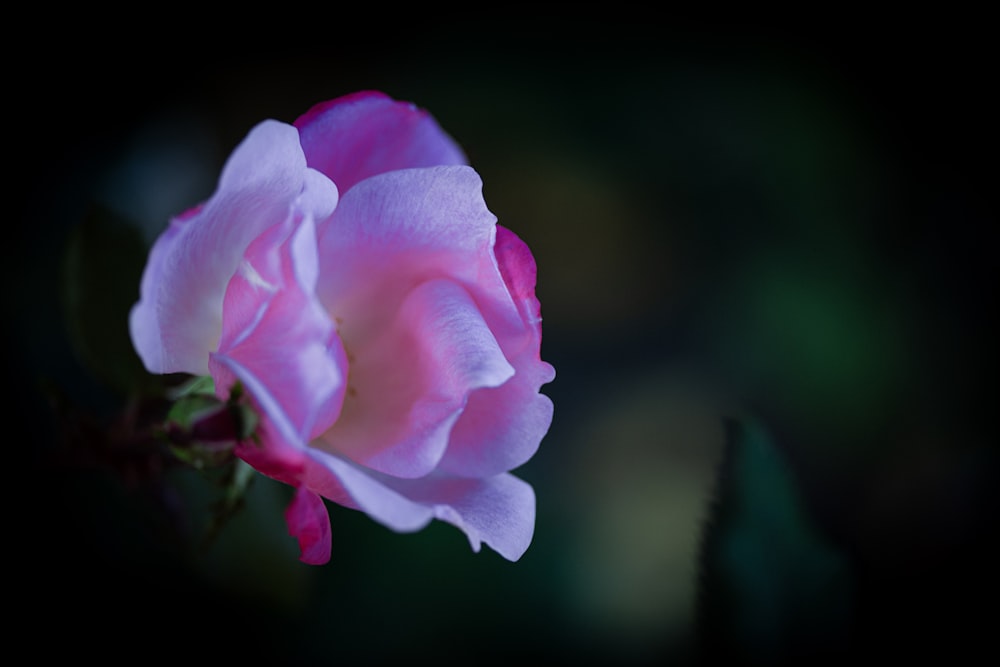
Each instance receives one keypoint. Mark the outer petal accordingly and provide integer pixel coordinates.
(501, 428)
(353, 486)
(367, 133)
(519, 272)
(394, 231)
(177, 321)
(276, 449)
(309, 522)
(499, 511)
(275, 328)
(410, 383)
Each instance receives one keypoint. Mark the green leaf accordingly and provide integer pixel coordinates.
(774, 588)
(102, 268)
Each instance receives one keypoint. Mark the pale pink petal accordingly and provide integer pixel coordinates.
(275, 449)
(309, 522)
(410, 383)
(178, 319)
(352, 486)
(319, 195)
(274, 327)
(502, 427)
(396, 230)
(499, 510)
(356, 136)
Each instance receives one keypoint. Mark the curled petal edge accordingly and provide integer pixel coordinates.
(498, 511)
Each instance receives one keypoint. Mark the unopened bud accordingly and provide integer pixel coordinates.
(202, 429)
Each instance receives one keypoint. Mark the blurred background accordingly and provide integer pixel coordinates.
(767, 268)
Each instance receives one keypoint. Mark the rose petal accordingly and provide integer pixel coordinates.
(409, 384)
(276, 449)
(274, 326)
(517, 266)
(367, 133)
(396, 230)
(499, 510)
(178, 319)
(309, 522)
(352, 486)
(502, 427)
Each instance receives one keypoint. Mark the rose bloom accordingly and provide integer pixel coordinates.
(349, 276)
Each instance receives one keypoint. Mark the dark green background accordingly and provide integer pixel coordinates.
(792, 224)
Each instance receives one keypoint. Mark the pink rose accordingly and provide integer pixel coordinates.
(348, 274)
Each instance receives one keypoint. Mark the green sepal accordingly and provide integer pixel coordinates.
(198, 385)
(202, 429)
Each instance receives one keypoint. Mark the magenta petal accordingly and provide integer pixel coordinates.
(411, 382)
(274, 326)
(178, 319)
(309, 522)
(517, 266)
(363, 134)
(499, 510)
